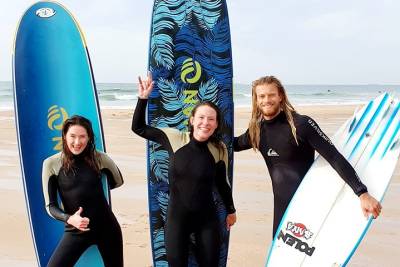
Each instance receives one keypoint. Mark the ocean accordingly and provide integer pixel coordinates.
(124, 95)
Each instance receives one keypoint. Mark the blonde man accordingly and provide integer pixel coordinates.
(288, 141)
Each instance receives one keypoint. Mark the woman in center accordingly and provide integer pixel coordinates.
(197, 161)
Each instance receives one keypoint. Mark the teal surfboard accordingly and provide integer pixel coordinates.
(53, 80)
(191, 60)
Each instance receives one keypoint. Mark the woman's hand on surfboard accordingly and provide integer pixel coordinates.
(145, 86)
(370, 205)
(79, 222)
(230, 220)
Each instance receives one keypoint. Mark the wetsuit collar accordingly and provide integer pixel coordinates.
(79, 157)
(198, 143)
(281, 116)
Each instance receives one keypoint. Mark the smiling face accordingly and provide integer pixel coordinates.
(204, 122)
(77, 139)
(268, 100)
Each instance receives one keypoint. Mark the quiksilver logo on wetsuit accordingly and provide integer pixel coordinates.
(272, 153)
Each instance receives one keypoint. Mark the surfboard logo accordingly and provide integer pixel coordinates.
(299, 230)
(45, 12)
(191, 68)
(191, 74)
(55, 118)
(296, 243)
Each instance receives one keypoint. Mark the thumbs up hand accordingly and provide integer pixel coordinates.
(79, 222)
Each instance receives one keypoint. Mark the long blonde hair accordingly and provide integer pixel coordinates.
(257, 115)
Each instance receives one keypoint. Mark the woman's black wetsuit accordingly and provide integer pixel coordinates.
(82, 187)
(288, 162)
(193, 170)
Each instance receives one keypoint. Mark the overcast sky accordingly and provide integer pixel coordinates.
(301, 42)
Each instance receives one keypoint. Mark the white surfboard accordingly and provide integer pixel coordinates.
(324, 227)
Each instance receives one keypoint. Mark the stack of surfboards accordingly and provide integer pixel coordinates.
(324, 224)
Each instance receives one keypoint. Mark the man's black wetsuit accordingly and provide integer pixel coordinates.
(288, 162)
(193, 170)
(82, 187)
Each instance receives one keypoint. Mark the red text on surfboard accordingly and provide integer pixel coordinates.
(299, 230)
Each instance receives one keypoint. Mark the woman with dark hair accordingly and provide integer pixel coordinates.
(75, 174)
(197, 160)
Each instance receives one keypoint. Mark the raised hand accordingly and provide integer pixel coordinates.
(145, 86)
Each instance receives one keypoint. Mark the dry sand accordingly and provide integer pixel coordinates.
(250, 237)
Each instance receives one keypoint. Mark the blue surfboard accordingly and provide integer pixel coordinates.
(191, 60)
(53, 80)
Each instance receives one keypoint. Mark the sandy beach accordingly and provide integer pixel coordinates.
(250, 237)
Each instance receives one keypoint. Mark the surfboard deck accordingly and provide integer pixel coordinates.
(325, 227)
(190, 60)
(53, 80)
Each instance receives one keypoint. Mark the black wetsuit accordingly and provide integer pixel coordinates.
(193, 171)
(288, 162)
(82, 187)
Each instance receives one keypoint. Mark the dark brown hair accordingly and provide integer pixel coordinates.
(88, 153)
(215, 138)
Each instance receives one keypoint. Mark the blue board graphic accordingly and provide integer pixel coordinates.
(191, 60)
(53, 80)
